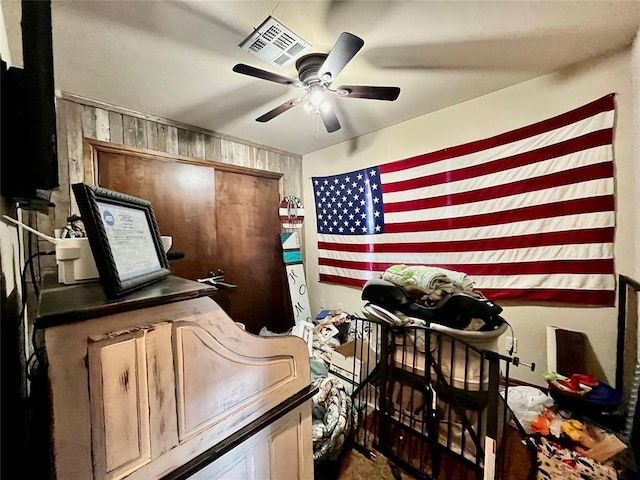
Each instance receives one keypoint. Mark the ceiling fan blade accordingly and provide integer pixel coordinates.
(265, 75)
(363, 91)
(279, 109)
(329, 118)
(342, 52)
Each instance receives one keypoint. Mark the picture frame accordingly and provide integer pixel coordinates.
(124, 238)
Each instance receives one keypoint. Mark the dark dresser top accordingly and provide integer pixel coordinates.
(59, 304)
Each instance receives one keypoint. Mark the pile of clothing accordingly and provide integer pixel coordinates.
(419, 294)
(332, 413)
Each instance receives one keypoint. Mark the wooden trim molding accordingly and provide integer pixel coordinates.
(91, 149)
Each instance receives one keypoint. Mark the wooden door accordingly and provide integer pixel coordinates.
(250, 251)
(221, 217)
(182, 196)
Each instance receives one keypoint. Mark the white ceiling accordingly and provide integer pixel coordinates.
(174, 59)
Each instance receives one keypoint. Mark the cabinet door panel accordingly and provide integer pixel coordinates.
(282, 451)
(162, 396)
(119, 405)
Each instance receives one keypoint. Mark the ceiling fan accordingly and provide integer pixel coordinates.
(316, 72)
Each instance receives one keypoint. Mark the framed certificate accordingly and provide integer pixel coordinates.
(124, 239)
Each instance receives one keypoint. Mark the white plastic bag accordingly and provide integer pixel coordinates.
(527, 403)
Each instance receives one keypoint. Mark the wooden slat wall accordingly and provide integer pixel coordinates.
(78, 119)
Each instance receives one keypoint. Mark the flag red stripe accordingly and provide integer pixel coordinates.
(603, 104)
(603, 298)
(603, 203)
(580, 297)
(351, 282)
(591, 140)
(566, 177)
(569, 237)
(602, 266)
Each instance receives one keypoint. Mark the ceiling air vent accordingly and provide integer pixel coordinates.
(275, 44)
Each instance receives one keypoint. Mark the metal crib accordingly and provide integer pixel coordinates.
(424, 397)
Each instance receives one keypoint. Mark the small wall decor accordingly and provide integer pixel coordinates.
(291, 212)
(295, 277)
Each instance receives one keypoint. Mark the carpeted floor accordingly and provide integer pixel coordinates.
(353, 465)
(356, 466)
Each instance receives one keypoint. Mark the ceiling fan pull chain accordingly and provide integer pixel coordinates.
(316, 123)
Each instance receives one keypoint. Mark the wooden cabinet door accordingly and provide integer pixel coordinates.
(221, 217)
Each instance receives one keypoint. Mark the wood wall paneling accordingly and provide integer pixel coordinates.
(129, 130)
(141, 133)
(77, 120)
(102, 125)
(172, 140)
(213, 148)
(74, 119)
(115, 127)
(88, 122)
(152, 135)
(183, 142)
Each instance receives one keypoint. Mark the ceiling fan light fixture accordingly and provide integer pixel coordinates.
(316, 94)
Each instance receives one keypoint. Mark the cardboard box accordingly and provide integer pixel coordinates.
(351, 362)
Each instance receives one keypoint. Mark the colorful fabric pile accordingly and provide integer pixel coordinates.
(558, 463)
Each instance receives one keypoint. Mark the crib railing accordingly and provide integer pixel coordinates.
(431, 399)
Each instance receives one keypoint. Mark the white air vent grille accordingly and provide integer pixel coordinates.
(282, 60)
(258, 45)
(275, 44)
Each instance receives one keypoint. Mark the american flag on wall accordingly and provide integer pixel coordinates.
(528, 215)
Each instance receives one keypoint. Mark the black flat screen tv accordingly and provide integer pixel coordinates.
(28, 138)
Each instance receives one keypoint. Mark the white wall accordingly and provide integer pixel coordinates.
(9, 246)
(11, 33)
(490, 115)
(635, 138)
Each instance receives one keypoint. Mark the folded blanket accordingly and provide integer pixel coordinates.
(433, 281)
